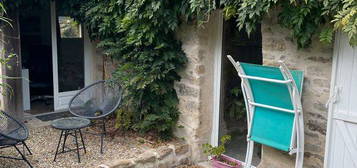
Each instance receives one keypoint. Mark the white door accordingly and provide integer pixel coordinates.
(341, 140)
(71, 57)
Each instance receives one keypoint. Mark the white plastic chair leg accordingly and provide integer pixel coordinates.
(249, 154)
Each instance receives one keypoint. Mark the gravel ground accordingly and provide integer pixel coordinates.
(43, 142)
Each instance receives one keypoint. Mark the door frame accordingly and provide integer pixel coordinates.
(334, 89)
(217, 73)
(61, 98)
(330, 104)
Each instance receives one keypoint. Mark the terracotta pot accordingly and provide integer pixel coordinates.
(219, 164)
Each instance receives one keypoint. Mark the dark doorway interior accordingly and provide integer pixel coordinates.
(36, 53)
(243, 48)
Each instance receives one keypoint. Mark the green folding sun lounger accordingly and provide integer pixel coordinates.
(274, 111)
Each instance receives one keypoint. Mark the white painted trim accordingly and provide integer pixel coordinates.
(271, 107)
(217, 81)
(51, 112)
(88, 58)
(351, 147)
(26, 100)
(330, 105)
(297, 138)
(54, 54)
(346, 118)
(88, 62)
(264, 79)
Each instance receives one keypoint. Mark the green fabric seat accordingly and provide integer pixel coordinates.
(272, 127)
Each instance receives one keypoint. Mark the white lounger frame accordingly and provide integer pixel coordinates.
(297, 140)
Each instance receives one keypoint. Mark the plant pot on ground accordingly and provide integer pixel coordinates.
(219, 160)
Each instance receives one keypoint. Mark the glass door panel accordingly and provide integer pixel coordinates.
(70, 54)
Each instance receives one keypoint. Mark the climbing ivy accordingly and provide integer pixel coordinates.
(304, 18)
(140, 35)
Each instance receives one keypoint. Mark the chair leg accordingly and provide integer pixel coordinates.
(28, 149)
(102, 136)
(76, 139)
(101, 143)
(84, 146)
(59, 142)
(249, 154)
(23, 156)
(104, 129)
(65, 139)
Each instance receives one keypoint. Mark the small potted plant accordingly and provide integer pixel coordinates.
(219, 160)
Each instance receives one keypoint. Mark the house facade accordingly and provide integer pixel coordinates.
(55, 57)
(330, 72)
(199, 90)
(329, 112)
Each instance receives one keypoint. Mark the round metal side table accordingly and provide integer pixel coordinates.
(70, 126)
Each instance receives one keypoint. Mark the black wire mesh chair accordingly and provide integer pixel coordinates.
(13, 133)
(97, 101)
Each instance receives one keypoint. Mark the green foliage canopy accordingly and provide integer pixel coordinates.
(140, 35)
(304, 18)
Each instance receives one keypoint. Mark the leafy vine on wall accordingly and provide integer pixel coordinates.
(305, 18)
(140, 35)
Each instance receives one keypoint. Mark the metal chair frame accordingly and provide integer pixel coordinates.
(16, 141)
(297, 137)
(103, 133)
(65, 149)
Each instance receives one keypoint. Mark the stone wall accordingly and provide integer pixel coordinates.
(96, 63)
(195, 90)
(168, 156)
(11, 101)
(316, 62)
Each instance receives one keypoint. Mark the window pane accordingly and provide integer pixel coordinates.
(70, 55)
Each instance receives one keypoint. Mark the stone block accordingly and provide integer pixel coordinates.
(316, 125)
(274, 44)
(163, 152)
(319, 70)
(313, 147)
(146, 165)
(164, 165)
(121, 163)
(184, 89)
(319, 59)
(183, 161)
(181, 149)
(200, 69)
(166, 158)
(146, 157)
(317, 158)
(323, 83)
